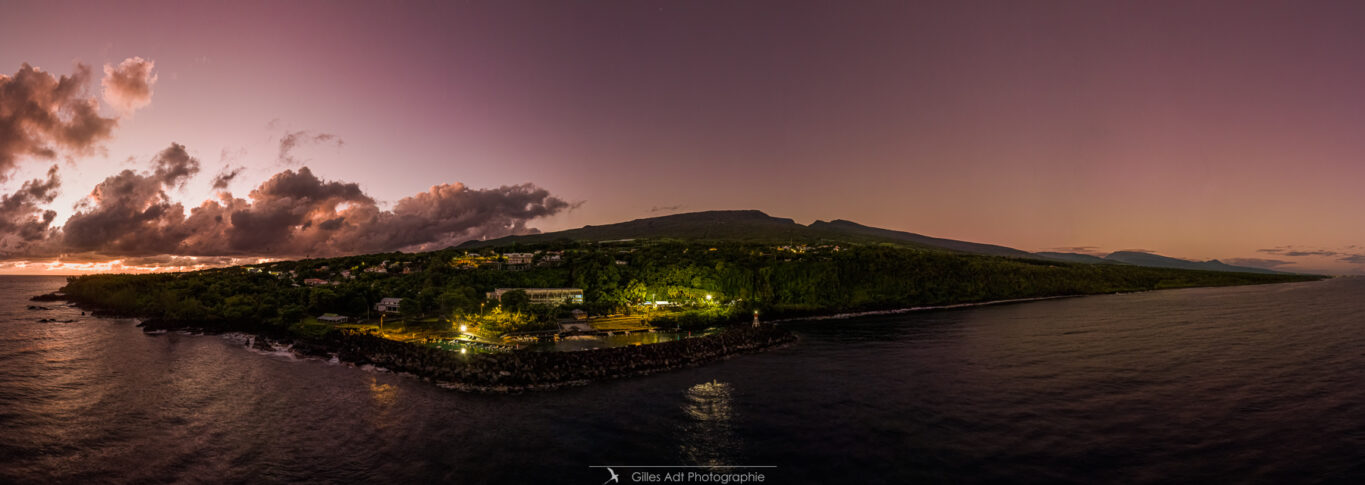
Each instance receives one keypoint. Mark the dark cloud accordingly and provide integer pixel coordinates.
(41, 114)
(665, 208)
(1289, 251)
(174, 165)
(1353, 259)
(129, 86)
(23, 220)
(130, 214)
(296, 139)
(1092, 250)
(293, 214)
(1257, 262)
(224, 177)
(126, 214)
(1300, 253)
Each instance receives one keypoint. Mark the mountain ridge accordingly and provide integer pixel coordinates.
(756, 226)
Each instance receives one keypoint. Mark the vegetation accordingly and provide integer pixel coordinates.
(739, 277)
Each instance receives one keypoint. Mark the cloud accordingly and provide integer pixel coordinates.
(1289, 251)
(296, 139)
(1092, 250)
(224, 177)
(41, 114)
(665, 208)
(293, 214)
(128, 87)
(1300, 253)
(126, 214)
(174, 165)
(1353, 259)
(22, 219)
(1257, 262)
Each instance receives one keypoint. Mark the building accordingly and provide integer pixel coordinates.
(388, 305)
(518, 258)
(333, 318)
(314, 281)
(543, 296)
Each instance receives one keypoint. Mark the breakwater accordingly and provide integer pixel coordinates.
(526, 370)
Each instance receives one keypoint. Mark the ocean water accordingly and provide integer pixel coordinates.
(1250, 384)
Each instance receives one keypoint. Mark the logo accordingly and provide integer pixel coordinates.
(614, 477)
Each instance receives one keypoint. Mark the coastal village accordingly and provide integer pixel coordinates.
(557, 314)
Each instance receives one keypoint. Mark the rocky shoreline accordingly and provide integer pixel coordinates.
(494, 372)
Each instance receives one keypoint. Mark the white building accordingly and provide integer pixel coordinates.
(543, 296)
(388, 305)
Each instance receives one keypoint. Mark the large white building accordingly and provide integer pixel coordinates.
(543, 296)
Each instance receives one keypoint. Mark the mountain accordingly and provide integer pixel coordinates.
(1158, 261)
(1075, 258)
(840, 226)
(749, 226)
(754, 226)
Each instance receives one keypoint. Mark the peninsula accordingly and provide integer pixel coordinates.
(548, 310)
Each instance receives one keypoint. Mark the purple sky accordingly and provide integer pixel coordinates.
(1202, 130)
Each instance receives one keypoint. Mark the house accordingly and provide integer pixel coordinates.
(314, 281)
(519, 258)
(552, 258)
(579, 314)
(543, 296)
(333, 318)
(388, 305)
(376, 269)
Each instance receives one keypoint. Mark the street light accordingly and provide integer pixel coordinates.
(463, 328)
(708, 297)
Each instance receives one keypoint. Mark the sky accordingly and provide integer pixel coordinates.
(1200, 130)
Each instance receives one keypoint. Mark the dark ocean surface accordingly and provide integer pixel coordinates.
(1248, 384)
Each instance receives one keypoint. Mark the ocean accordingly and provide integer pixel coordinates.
(1243, 384)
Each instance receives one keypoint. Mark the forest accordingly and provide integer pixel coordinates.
(622, 277)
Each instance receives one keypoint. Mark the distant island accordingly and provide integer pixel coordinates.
(698, 284)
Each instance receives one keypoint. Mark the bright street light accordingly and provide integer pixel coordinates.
(463, 328)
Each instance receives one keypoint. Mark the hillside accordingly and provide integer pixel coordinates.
(753, 226)
(750, 226)
(1076, 258)
(1159, 261)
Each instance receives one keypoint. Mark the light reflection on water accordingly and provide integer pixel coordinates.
(708, 437)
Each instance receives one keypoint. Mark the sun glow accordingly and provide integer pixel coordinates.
(63, 268)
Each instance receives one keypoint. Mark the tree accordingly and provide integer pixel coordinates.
(516, 300)
(322, 300)
(411, 308)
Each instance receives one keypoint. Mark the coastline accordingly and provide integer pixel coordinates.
(503, 372)
(515, 371)
(895, 311)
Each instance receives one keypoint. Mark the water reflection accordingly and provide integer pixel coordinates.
(708, 437)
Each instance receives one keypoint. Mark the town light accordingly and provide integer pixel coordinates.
(708, 297)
